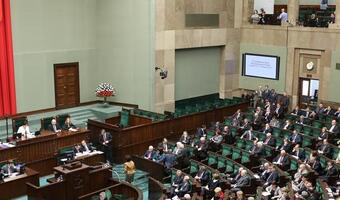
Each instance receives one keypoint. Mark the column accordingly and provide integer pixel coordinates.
(247, 10)
(293, 11)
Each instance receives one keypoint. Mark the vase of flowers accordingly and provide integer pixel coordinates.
(105, 90)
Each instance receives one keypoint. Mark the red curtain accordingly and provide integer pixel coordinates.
(7, 83)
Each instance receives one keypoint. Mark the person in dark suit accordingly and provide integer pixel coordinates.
(185, 138)
(257, 149)
(296, 111)
(168, 160)
(248, 135)
(164, 146)
(284, 101)
(328, 111)
(233, 178)
(337, 113)
(268, 116)
(202, 176)
(244, 180)
(295, 138)
(201, 149)
(9, 168)
(176, 182)
(150, 154)
(208, 191)
(264, 171)
(228, 136)
(325, 148)
(68, 125)
(201, 132)
(184, 187)
(246, 124)
(273, 97)
(273, 176)
(286, 146)
(282, 160)
(323, 134)
(298, 153)
(84, 147)
(267, 129)
(330, 171)
(269, 140)
(238, 115)
(54, 126)
(320, 109)
(257, 122)
(314, 162)
(105, 140)
(288, 125)
(279, 111)
(334, 129)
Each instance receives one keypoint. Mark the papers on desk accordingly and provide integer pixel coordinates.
(14, 176)
(6, 145)
(73, 129)
(87, 153)
(256, 176)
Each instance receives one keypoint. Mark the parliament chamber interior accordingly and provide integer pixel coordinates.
(169, 99)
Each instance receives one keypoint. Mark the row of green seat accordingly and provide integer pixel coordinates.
(151, 115)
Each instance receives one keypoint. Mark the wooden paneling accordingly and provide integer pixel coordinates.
(136, 139)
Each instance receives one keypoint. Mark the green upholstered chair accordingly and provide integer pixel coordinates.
(194, 167)
(317, 124)
(45, 122)
(276, 132)
(245, 158)
(236, 154)
(226, 150)
(212, 159)
(307, 141)
(298, 127)
(307, 130)
(229, 166)
(221, 164)
(17, 122)
(108, 194)
(248, 145)
(293, 164)
(240, 143)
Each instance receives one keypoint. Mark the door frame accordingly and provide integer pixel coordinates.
(301, 79)
(77, 87)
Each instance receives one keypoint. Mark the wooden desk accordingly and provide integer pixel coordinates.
(16, 186)
(39, 152)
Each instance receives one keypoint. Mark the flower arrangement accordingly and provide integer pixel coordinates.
(105, 90)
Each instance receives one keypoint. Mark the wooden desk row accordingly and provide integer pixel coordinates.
(134, 140)
(39, 152)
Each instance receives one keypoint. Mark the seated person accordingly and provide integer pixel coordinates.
(269, 140)
(330, 171)
(288, 125)
(274, 122)
(337, 158)
(268, 116)
(84, 147)
(295, 138)
(257, 149)
(302, 170)
(264, 171)
(244, 180)
(257, 122)
(68, 126)
(246, 124)
(228, 135)
(296, 111)
(164, 146)
(150, 154)
(272, 176)
(337, 113)
(279, 112)
(215, 141)
(323, 134)
(267, 129)
(285, 146)
(219, 195)
(314, 163)
(298, 153)
(325, 148)
(334, 129)
(282, 160)
(302, 121)
(77, 149)
(24, 130)
(233, 178)
(178, 150)
(202, 176)
(185, 138)
(54, 126)
(328, 111)
(176, 182)
(249, 135)
(183, 188)
(201, 132)
(208, 190)
(9, 168)
(271, 191)
(201, 149)
(168, 160)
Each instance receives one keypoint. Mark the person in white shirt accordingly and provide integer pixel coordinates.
(24, 130)
(283, 16)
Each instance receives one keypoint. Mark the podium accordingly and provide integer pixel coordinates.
(76, 177)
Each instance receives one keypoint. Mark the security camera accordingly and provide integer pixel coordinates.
(163, 72)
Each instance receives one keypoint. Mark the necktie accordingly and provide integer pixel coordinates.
(294, 138)
(54, 128)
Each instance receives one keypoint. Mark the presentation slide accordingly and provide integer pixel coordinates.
(260, 66)
(267, 5)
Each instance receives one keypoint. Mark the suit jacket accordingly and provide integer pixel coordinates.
(316, 166)
(200, 132)
(185, 140)
(243, 181)
(178, 180)
(284, 162)
(184, 188)
(279, 112)
(326, 149)
(213, 184)
(287, 148)
(269, 130)
(335, 129)
(83, 148)
(297, 139)
(50, 127)
(331, 172)
(289, 127)
(205, 176)
(337, 114)
(257, 151)
(271, 141)
(301, 155)
(296, 112)
(273, 176)
(108, 138)
(150, 155)
(66, 127)
(249, 135)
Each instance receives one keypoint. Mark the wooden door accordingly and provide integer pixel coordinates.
(66, 83)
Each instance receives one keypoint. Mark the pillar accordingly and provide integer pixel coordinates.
(293, 11)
